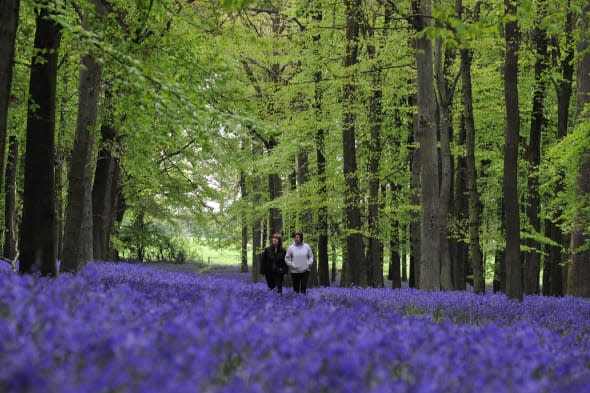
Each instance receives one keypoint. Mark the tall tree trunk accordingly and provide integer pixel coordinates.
(37, 238)
(532, 264)
(102, 193)
(394, 247)
(415, 236)
(460, 248)
(511, 139)
(429, 169)
(257, 226)
(244, 249)
(61, 159)
(444, 101)
(354, 241)
(306, 214)
(322, 229)
(78, 233)
(579, 270)
(475, 253)
(374, 255)
(553, 261)
(275, 217)
(9, 10)
(10, 246)
(118, 209)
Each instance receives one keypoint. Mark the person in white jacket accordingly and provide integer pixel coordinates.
(299, 258)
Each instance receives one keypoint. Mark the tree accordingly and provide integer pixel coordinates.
(78, 236)
(553, 272)
(532, 263)
(10, 240)
(9, 10)
(354, 241)
(579, 271)
(475, 253)
(37, 238)
(429, 167)
(320, 137)
(511, 141)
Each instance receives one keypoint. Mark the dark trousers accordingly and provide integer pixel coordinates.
(274, 280)
(300, 281)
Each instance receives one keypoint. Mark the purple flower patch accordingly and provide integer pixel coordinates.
(129, 328)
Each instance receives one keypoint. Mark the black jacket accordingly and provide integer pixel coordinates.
(273, 260)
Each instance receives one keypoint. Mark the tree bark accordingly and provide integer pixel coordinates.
(10, 245)
(257, 226)
(306, 214)
(532, 265)
(475, 252)
(78, 232)
(429, 167)
(460, 247)
(514, 288)
(444, 102)
(354, 242)
(553, 269)
(9, 10)
(102, 193)
(244, 249)
(579, 270)
(374, 254)
(322, 228)
(394, 248)
(415, 236)
(37, 238)
(119, 207)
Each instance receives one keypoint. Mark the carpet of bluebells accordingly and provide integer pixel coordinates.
(129, 328)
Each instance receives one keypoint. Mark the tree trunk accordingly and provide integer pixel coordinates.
(429, 168)
(306, 215)
(102, 193)
(9, 10)
(37, 238)
(511, 139)
(322, 229)
(275, 217)
(78, 232)
(460, 248)
(475, 253)
(415, 239)
(394, 249)
(119, 206)
(10, 245)
(61, 159)
(354, 242)
(374, 255)
(532, 263)
(244, 249)
(256, 227)
(553, 262)
(444, 102)
(579, 270)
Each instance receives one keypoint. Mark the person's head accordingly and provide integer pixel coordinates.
(276, 239)
(298, 238)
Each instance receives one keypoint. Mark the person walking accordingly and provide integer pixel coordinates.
(299, 258)
(273, 264)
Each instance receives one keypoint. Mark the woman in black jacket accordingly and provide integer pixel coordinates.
(273, 265)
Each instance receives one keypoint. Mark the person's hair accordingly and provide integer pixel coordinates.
(300, 234)
(278, 236)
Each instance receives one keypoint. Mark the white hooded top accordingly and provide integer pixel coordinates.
(299, 257)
